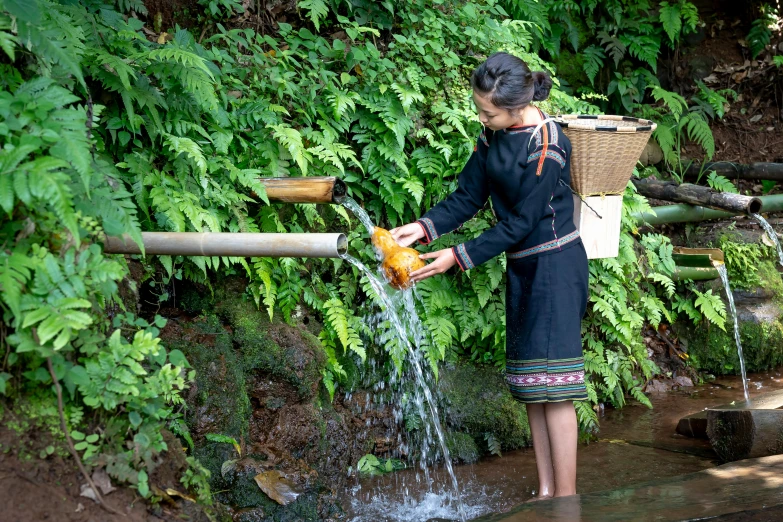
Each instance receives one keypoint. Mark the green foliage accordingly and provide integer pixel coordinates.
(225, 439)
(761, 29)
(677, 123)
(372, 465)
(742, 261)
(627, 292)
(172, 137)
(620, 41)
(60, 192)
(493, 444)
(720, 183)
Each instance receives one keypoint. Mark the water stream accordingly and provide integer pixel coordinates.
(407, 326)
(724, 276)
(773, 236)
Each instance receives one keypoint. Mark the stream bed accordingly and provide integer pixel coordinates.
(635, 444)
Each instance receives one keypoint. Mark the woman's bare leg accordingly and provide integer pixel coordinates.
(563, 433)
(541, 442)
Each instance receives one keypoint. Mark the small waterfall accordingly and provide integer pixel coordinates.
(406, 326)
(773, 236)
(724, 276)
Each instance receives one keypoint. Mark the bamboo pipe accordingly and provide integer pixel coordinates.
(693, 273)
(231, 244)
(690, 214)
(325, 189)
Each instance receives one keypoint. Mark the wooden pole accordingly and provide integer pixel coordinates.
(326, 189)
(697, 195)
(230, 244)
(770, 171)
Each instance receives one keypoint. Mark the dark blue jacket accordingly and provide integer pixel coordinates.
(528, 178)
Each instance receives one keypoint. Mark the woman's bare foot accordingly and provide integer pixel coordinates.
(539, 497)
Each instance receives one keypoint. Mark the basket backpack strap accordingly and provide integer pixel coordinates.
(542, 127)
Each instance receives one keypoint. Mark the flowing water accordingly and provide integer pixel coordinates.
(724, 276)
(773, 236)
(635, 444)
(408, 326)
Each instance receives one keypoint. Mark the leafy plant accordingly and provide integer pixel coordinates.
(742, 262)
(372, 465)
(720, 183)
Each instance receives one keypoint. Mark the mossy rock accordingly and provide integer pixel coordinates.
(479, 403)
(715, 351)
(760, 324)
(282, 350)
(462, 447)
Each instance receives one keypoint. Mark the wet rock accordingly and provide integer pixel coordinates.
(277, 487)
(656, 386)
(683, 381)
(479, 402)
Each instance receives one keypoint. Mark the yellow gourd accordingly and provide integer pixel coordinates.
(398, 262)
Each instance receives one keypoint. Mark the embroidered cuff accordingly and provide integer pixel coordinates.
(462, 257)
(430, 234)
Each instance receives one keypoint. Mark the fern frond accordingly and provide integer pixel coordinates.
(317, 11)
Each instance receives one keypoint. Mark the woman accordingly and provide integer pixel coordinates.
(521, 160)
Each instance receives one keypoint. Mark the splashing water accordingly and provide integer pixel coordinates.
(415, 357)
(724, 276)
(403, 325)
(773, 236)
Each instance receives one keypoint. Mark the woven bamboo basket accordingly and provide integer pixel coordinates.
(605, 150)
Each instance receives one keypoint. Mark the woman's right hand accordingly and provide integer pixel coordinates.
(407, 234)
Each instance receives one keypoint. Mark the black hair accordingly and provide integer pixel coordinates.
(509, 83)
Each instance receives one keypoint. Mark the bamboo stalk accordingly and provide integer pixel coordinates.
(691, 214)
(231, 244)
(697, 195)
(325, 189)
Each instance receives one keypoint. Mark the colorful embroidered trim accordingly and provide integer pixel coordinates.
(463, 259)
(483, 137)
(543, 380)
(549, 245)
(551, 154)
(429, 229)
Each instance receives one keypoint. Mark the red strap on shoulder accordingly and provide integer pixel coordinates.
(545, 141)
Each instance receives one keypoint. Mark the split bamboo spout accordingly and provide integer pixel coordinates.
(326, 189)
(231, 244)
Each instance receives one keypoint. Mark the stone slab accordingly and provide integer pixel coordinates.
(741, 486)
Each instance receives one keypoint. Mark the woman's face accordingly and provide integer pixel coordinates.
(495, 118)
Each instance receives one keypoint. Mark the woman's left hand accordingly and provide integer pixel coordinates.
(444, 259)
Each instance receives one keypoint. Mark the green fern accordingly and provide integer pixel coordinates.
(712, 307)
(493, 444)
(317, 10)
(760, 34)
(720, 183)
(338, 319)
(594, 61)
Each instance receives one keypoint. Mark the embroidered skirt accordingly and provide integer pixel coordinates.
(546, 297)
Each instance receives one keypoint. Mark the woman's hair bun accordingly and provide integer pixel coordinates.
(542, 83)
